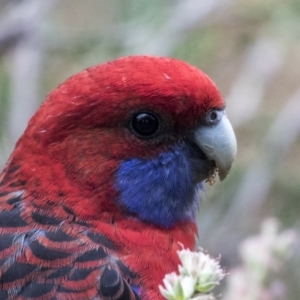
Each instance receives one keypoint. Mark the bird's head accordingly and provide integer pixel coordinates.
(139, 133)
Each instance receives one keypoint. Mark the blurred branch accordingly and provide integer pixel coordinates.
(183, 16)
(20, 33)
(262, 61)
(21, 21)
(257, 181)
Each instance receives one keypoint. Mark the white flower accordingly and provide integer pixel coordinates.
(198, 272)
(189, 262)
(177, 287)
(267, 251)
(202, 267)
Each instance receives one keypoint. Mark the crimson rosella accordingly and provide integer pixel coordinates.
(101, 190)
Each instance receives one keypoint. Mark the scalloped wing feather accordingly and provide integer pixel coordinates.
(42, 257)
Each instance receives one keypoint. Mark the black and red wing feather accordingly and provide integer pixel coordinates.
(43, 257)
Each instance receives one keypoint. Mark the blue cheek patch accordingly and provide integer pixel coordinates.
(161, 190)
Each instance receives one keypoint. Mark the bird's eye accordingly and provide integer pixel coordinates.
(145, 124)
(213, 116)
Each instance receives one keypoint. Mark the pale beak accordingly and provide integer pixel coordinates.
(218, 143)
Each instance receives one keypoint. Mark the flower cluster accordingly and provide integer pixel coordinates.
(263, 256)
(198, 273)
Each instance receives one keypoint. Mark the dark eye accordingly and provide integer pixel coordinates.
(213, 116)
(145, 124)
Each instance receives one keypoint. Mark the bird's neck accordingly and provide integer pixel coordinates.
(43, 180)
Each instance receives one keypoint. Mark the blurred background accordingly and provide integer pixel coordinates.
(250, 48)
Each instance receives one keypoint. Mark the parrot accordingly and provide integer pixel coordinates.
(102, 188)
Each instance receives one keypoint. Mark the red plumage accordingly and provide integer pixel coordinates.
(61, 229)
